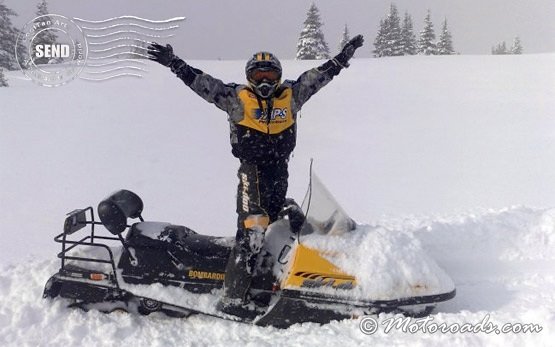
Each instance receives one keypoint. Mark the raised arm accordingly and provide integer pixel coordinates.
(213, 90)
(315, 79)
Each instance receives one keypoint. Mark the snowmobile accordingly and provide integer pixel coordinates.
(162, 267)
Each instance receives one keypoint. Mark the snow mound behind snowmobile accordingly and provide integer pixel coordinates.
(330, 269)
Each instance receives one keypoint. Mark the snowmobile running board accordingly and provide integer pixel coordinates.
(291, 306)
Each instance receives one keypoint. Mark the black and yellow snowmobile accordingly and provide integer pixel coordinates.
(147, 267)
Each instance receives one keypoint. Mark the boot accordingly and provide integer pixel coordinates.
(238, 276)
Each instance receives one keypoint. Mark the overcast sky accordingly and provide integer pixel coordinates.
(234, 29)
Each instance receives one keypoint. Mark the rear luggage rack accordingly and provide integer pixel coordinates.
(77, 220)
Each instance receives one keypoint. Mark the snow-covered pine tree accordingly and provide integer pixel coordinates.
(3, 82)
(345, 37)
(500, 49)
(517, 46)
(8, 39)
(45, 37)
(379, 41)
(426, 43)
(393, 37)
(445, 44)
(388, 41)
(139, 47)
(311, 44)
(503, 48)
(408, 39)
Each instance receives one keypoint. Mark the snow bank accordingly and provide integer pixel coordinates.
(515, 289)
(416, 135)
(388, 264)
(515, 233)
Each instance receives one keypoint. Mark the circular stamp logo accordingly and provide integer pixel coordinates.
(55, 50)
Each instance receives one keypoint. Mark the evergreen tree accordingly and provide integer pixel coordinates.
(3, 82)
(408, 39)
(379, 41)
(503, 48)
(517, 46)
(393, 38)
(426, 43)
(8, 39)
(139, 48)
(45, 37)
(389, 42)
(311, 44)
(500, 49)
(445, 43)
(345, 37)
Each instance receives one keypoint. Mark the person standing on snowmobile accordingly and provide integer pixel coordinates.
(262, 119)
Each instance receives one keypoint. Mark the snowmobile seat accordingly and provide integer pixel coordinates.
(209, 246)
(158, 235)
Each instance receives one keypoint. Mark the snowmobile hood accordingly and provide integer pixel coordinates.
(339, 257)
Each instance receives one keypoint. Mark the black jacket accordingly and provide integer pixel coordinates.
(261, 131)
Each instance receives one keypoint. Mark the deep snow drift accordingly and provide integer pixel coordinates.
(455, 151)
(493, 273)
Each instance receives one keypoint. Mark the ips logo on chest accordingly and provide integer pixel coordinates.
(279, 113)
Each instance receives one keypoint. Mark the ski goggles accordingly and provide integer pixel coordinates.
(260, 75)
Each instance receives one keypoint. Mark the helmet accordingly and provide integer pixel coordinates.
(263, 74)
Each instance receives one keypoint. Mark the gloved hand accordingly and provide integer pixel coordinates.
(161, 54)
(296, 216)
(349, 50)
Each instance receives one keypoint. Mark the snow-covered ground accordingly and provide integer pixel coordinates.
(457, 151)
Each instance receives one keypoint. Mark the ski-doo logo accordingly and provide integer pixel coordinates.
(277, 113)
(316, 280)
(245, 192)
(328, 282)
(204, 275)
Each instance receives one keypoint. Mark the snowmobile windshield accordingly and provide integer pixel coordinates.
(323, 213)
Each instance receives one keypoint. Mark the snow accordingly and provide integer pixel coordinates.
(388, 264)
(174, 295)
(454, 152)
(152, 229)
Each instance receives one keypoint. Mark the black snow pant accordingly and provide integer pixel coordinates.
(260, 198)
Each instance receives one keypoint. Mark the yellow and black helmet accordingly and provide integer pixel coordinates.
(263, 72)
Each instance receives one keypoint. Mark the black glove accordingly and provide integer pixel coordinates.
(296, 216)
(161, 54)
(349, 50)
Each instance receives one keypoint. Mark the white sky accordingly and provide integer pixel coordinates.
(235, 29)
